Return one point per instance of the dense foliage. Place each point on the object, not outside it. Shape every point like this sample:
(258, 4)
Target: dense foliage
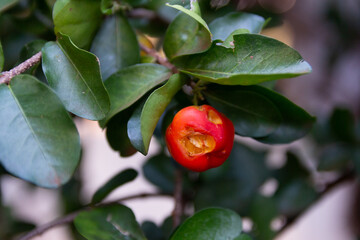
(97, 63)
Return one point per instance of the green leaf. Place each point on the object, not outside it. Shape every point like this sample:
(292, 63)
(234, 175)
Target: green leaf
(295, 197)
(222, 27)
(6, 4)
(115, 45)
(109, 223)
(152, 231)
(118, 180)
(74, 74)
(243, 237)
(254, 59)
(342, 125)
(252, 114)
(1, 58)
(38, 140)
(229, 41)
(159, 170)
(142, 123)
(296, 121)
(129, 84)
(211, 223)
(187, 34)
(335, 157)
(78, 19)
(116, 133)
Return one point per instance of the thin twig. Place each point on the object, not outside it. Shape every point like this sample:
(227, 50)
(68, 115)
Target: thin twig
(161, 60)
(178, 209)
(6, 77)
(344, 178)
(70, 217)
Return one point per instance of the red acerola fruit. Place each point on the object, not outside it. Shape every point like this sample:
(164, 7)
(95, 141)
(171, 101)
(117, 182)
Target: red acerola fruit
(200, 138)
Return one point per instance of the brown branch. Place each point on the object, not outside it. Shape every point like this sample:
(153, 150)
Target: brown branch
(344, 178)
(6, 77)
(178, 209)
(70, 217)
(161, 60)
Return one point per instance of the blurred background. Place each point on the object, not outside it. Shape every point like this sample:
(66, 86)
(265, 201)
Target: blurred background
(327, 35)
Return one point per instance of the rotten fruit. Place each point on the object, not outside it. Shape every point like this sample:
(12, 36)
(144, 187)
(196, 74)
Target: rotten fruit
(200, 138)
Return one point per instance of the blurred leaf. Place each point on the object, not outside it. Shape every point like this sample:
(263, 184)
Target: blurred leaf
(262, 211)
(342, 124)
(6, 4)
(116, 133)
(236, 182)
(293, 169)
(222, 27)
(118, 180)
(142, 123)
(296, 122)
(30, 50)
(152, 232)
(254, 59)
(159, 170)
(243, 237)
(252, 114)
(109, 223)
(211, 223)
(1, 58)
(296, 196)
(115, 45)
(334, 157)
(79, 19)
(38, 139)
(74, 74)
(129, 84)
(188, 33)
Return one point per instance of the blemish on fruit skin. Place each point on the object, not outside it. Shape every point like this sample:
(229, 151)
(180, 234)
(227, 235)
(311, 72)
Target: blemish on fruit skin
(214, 117)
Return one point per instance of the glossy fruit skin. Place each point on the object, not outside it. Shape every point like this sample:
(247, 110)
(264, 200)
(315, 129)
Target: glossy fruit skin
(200, 138)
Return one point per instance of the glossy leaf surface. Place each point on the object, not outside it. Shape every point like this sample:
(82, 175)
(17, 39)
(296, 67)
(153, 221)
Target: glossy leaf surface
(115, 45)
(74, 75)
(222, 27)
(142, 123)
(188, 33)
(118, 180)
(130, 84)
(254, 59)
(252, 114)
(38, 139)
(211, 223)
(109, 223)
(78, 19)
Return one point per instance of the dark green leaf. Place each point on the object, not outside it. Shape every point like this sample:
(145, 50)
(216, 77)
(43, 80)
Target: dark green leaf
(243, 237)
(78, 19)
(296, 122)
(342, 125)
(1, 58)
(187, 34)
(334, 157)
(115, 45)
(6, 4)
(159, 170)
(252, 114)
(74, 74)
(235, 183)
(118, 180)
(262, 211)
(109, 223)
(38, 140)
(152, 232)
(295, 197)
(211, 223)
(254, 59)
(222, 27)
(130, 84)
(116, 133)
(142, 123)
